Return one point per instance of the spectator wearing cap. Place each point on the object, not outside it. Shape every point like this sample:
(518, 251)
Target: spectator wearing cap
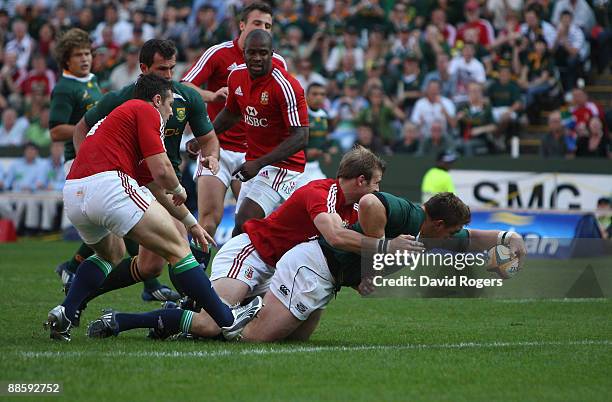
(557, 143)
(534, 27)
(580, 9)
(22, 43)
(349, 46)
(441, 74)
(122, 30)
(438, 179)
(570, 50)
(465, 70)
(126, 72)
(433, 107)
(486, 34)
(13, 128)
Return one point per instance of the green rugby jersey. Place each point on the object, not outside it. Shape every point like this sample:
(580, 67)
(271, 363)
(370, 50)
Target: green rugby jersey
(71, 97)
(403, 217)
(188, 107)
(318, 128)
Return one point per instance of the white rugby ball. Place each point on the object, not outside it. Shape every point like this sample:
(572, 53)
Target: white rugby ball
(503, 262)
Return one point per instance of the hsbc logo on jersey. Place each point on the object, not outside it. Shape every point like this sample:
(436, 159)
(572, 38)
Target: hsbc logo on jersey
(251, 119)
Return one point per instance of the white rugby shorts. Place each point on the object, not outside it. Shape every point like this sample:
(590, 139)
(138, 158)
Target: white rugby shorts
(229, 161)
(105, 202)
(270, 188)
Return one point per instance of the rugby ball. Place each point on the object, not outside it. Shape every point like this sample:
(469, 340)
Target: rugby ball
(503, 262)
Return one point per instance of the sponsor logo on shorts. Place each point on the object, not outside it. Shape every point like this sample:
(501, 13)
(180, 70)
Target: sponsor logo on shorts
(284, 290)
(264, 173)
(288, 188)
(301, 308)
(248, 273)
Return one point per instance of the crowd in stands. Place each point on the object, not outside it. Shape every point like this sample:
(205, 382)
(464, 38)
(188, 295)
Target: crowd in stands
(407, 77)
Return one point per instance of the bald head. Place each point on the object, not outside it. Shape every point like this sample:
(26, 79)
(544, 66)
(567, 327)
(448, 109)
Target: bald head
(258, 53)
(261, 37)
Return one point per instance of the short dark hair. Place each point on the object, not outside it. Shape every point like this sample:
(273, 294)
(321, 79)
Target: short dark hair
(448, 208)
(165, 48)
(360, 161)
(74, 38)
(313, 86)
(149, 85)
(260, 34)
(257, 5)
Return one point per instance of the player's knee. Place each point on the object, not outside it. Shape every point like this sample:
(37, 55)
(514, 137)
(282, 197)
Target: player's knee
(231, 291)
(151, 267)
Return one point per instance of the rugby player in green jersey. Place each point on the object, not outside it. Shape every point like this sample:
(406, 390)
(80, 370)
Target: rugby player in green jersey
(308, 275)
(156, 57)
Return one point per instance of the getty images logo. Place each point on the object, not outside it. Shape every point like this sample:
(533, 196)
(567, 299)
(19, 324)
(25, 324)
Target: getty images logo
(251, 118)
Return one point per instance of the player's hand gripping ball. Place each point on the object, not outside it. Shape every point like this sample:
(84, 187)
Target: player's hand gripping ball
(503, 262)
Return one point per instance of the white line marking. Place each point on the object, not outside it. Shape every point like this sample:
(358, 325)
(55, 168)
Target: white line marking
(566, 300)
(312, 349)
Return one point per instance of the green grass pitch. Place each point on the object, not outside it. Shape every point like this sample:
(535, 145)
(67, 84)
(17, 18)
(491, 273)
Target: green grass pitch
(365, 349)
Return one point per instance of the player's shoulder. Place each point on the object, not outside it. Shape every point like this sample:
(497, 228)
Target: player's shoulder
(282, 78)
(279, 61)
(238, 72)
(321, 186)
(184, 92)
(219, 50)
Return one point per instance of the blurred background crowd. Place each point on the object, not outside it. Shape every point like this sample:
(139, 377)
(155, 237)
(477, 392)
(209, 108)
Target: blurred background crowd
(412, 77)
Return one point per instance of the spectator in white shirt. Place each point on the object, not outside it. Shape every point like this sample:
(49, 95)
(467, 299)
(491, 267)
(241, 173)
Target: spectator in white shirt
(570, 50)
(433, 107)
(580, 9)
(126, 72)
(122, 30)
(22, 44)
(534, 27)
(466, 69)
(348, 45)
(13, 128)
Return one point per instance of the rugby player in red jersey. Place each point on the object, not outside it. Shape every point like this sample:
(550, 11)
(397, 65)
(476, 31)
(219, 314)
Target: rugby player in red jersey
(105, 203)
(271, 104)
(212, 69)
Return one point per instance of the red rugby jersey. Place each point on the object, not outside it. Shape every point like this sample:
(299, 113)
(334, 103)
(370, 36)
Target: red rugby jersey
(269, 105)
(293, 222)
(120, 141)
(212, 68)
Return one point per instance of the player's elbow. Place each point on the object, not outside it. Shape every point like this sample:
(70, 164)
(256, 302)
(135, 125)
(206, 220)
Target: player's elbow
(161, 170)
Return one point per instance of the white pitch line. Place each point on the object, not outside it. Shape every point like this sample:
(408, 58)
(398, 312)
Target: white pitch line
(566, 300)
(312, 349)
